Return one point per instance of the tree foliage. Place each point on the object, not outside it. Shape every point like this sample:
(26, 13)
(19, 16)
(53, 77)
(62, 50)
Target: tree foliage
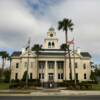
(36, 48)
(92, 76)
(24, 76)
(0, 73)
(64, 46)
(7, 72)
(97, 72)
(4, 55)
(65, 25)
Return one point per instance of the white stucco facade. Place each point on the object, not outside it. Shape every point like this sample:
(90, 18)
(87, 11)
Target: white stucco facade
(49, 66)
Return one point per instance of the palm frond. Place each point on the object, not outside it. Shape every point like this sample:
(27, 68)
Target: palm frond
(71, 29)
(60, 25)
(64, 47)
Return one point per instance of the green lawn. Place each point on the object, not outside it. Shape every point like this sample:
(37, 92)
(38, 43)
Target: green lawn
(4, 86)
(96, 86)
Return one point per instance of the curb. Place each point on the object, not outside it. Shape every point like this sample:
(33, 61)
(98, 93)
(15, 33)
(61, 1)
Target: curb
(51, 93)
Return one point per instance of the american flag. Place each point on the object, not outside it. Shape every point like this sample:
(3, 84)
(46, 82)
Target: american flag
(28, 44)
(71, 42)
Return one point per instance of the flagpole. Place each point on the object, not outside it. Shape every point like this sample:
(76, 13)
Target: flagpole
(28, 48)
(74, 61)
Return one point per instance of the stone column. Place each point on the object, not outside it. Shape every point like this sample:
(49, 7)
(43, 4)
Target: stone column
(55, 72)
(64, 69)
(46, 72)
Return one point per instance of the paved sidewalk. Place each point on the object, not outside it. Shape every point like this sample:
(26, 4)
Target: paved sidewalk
(47, 92)
(66, 93)
(79, 92)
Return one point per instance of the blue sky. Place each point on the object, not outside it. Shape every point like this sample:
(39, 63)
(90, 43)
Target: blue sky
(21, 19)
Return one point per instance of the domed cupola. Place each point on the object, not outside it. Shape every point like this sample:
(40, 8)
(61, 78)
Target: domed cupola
(51, 41)
(51, 29)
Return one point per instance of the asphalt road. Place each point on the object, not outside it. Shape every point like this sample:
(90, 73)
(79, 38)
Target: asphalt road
(51, 98)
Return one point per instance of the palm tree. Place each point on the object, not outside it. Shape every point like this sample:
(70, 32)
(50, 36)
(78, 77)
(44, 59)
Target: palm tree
(37, 48)
(65, 25)
(4, 55)
(64, 47)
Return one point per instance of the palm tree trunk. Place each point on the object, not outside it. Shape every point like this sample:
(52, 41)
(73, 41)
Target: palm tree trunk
(65, 64)
(66, 36)
(70, 63)
(66, 39)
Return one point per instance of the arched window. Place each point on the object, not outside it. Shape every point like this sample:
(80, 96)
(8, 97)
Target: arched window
(49, 44)
(53, 45)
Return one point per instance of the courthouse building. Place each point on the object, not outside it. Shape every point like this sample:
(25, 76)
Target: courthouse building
(49, 66)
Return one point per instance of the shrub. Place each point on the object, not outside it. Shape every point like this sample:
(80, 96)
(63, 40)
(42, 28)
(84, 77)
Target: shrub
(88, 82)
(24, 76)
(35, 82)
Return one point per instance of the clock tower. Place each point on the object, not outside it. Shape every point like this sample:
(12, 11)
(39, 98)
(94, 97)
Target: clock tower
(51, 41)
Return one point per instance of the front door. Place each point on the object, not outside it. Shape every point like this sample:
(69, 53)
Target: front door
(51, 80)
(50, 76)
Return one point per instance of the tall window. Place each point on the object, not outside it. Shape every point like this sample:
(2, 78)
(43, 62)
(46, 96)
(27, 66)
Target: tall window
(60, 75)
(49, 44)
(25, 64)
(84, 66)
(76, 65)
(60, 64)
(32, 64)
(41, 75)
(53, 45)
(30, 75)
(50, 76)
(41, 64)
(50, 64)
(16, 76)
(84, 75)
(17, 65)
(76, 76)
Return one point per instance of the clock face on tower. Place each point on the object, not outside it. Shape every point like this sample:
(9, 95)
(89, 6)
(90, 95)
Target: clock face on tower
(51, 35)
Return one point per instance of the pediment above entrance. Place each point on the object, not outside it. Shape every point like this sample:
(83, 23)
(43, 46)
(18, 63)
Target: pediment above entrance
(28, 54)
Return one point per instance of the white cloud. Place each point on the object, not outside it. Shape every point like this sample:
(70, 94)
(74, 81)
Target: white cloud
(85, 14)
(18, 21)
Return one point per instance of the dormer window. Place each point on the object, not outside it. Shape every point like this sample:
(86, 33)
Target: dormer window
(51, 35)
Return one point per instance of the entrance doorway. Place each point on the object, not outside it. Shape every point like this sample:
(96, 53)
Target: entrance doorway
(51, 80)
(51, 76)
